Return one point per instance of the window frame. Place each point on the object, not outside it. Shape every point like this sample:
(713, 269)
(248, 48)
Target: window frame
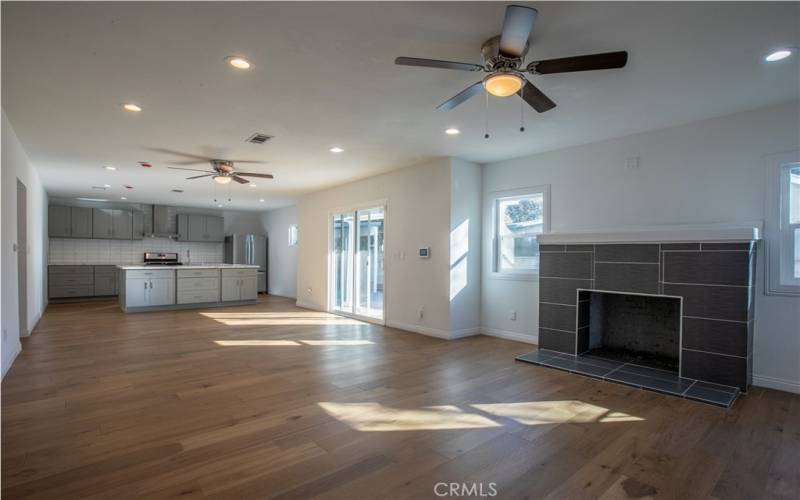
(495, 198)
(778, 232)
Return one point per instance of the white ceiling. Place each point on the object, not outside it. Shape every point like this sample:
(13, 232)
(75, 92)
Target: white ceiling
(324, 76)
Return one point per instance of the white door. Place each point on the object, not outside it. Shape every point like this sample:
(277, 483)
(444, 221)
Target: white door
(161, 292)
(231, 290)
(136, 292)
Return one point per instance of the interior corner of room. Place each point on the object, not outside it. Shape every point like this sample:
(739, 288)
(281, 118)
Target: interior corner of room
(586, 242)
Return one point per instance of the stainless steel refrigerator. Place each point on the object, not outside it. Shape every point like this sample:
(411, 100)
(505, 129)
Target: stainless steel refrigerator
(248, 249)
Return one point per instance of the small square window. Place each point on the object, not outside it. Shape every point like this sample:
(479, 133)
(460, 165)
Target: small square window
(293, 235)
(519, 218)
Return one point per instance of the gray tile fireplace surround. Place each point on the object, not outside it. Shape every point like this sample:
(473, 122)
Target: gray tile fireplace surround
(713, 280)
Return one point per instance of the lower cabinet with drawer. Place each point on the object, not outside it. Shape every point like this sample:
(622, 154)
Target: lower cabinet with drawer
(239, 284)
(198, 286)
(70, 281)
(105, 281)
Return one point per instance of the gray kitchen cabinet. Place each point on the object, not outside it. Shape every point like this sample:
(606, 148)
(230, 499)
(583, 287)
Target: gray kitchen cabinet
(105, 281)
(162, 292)
(231, 289)
(80, 222)
(199, 227)
(70, 281)
(215, 228)
(58, 221)
(122, 225)
(243, 286)
(136, 292)
(102, 223)
(249, 288)
(144, 291)
(137, 219)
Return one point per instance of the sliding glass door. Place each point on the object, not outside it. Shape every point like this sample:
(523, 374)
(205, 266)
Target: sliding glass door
(357, 262)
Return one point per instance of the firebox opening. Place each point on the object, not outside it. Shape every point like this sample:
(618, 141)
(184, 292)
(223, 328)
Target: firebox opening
(640, 329)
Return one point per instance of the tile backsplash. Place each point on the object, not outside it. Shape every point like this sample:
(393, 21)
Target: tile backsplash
(91, 251)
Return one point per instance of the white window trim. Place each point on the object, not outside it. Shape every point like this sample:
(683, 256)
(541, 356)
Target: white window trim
(496, 196)
(296, 235)
(779, 266)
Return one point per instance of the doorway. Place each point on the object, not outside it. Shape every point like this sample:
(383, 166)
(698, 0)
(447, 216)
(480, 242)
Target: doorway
(357, 262)
(22, 257)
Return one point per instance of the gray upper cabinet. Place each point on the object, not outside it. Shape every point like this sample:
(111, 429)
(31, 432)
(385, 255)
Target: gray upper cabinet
(215, 228)
(102, 222)
(198, 227)
(122, 225)
(138, 225)
(81, 222)
(58, 221)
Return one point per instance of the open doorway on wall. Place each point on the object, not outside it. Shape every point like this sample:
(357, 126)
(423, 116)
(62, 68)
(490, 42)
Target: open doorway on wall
(22, 257)
(357, 257)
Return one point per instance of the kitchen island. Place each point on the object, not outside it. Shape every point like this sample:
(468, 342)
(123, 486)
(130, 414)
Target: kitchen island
(158, 288)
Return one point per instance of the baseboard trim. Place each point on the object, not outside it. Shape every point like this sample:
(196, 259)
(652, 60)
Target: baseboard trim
(424, 330)
(509, 335)
(465, 332)
(307, 305)
(13, 358)
(779, 384)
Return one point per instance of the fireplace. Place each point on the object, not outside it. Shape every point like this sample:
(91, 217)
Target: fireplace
(632, 328)
(677, 301)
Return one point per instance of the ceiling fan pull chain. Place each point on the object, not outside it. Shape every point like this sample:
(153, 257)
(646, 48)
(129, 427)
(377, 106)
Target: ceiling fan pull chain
(486, 123)
(522, 109)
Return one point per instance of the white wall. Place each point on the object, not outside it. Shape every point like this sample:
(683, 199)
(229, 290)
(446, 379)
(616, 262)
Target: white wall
(704, 172)
(16, 165)
(418, 215)
(465, 248)
(282, 258)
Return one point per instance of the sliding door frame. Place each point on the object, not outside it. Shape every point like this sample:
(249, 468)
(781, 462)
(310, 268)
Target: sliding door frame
(381, 203)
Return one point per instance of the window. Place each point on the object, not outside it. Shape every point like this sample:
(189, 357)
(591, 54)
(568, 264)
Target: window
(293, 235)
(782, 230)
(519, 216)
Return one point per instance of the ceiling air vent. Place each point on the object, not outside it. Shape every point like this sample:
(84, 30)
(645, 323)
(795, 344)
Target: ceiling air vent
(177, 190)
(259, 138)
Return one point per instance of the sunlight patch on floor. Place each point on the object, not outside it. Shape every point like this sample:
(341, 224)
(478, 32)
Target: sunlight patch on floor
(377, 417)
(268, 343)
(554, 412)
(279, 318)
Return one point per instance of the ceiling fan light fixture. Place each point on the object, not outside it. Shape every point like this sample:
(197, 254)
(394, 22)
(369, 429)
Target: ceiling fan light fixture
(222, 179)
(502, 84)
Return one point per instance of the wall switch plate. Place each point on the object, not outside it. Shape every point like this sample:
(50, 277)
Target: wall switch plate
(308, 290)
(421, 312)
(513, 316)
(632, 162)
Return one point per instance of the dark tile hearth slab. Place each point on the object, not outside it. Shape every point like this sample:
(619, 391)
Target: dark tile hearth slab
(651, 379)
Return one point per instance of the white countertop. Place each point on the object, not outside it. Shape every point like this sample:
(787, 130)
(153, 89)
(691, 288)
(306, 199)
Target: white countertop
(188, 266)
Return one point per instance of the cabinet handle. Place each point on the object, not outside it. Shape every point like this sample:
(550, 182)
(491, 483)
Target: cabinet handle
(145, 285)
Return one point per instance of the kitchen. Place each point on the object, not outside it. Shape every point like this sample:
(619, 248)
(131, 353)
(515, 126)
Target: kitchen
(154, 257)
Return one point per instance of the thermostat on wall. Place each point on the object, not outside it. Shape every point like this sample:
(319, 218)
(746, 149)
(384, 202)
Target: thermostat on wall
(424, 252)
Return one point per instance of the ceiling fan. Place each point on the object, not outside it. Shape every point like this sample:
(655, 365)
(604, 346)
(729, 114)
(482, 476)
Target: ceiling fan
(503, 59)
(222, 171)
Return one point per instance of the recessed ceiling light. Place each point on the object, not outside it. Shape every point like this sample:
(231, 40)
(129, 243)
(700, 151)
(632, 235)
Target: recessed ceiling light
(132, 107)
(261, 200)
(452, 131)
(109, 167)
(336, 149)
(778, 55)
(239, 62)
(252, 185)
(106, 186)
(123, 198)
(91, 199)
(220, 205)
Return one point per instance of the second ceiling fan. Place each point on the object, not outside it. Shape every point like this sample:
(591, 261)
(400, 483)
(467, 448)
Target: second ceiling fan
(222, 171)
(503, 59)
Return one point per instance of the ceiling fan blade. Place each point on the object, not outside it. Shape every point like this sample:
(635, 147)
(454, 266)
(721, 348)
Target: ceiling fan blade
(256, 162)
(536, 98)
(435, 63)
(198, 176)
(462, 96)
(179, 153)
(517, 27)
(192, 170)
(590, 62)
(250, 174)
(240, 180)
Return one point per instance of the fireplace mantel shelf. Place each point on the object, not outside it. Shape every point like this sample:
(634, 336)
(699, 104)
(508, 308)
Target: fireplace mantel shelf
(656, 234)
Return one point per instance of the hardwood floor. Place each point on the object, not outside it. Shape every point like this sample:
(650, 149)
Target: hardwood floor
(272, 401)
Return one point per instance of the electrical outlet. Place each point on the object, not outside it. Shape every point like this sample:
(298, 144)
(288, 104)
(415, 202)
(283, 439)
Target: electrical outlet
(308, 290)
(421, 312)
(513, 316)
